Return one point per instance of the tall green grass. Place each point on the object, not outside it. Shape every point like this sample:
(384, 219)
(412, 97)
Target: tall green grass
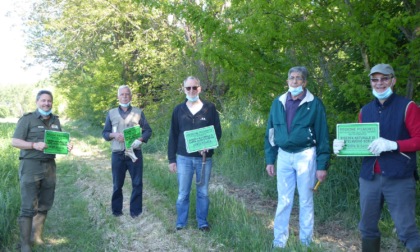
(9, 186)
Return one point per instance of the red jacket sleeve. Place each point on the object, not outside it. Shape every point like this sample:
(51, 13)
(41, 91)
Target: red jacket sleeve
(412, 122)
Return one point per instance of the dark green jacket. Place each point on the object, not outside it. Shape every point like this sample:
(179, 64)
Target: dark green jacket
(309, 128)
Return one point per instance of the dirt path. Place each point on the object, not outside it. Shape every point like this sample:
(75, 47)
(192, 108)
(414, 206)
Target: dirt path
(145, 233)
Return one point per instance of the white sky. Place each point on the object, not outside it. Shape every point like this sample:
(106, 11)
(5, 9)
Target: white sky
(12, 49)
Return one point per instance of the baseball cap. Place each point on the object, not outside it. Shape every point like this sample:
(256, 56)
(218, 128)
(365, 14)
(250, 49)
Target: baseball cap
(383, 69)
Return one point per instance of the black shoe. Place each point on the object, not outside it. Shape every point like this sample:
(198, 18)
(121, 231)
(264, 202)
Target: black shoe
(117, 214)
(179, 228)
(204, 229)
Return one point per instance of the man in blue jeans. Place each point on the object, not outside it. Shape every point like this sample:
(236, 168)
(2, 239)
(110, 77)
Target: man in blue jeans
(192, 114)
(123, 159)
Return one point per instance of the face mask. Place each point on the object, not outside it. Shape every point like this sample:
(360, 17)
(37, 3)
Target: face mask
(296, 91)
(124, 105)
(44, 113)
(384, 95)
(192, 99)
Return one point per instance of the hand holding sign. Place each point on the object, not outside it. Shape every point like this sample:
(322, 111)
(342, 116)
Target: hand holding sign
(131, 134)
(357, 137)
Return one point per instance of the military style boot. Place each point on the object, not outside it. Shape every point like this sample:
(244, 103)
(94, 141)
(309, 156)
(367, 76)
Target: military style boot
(371, 244)
(37, 227)
(25, 225)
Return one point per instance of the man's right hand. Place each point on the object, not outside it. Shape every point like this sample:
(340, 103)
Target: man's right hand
(117, 136)
(270, 170)
(172, 167)
(338, 145)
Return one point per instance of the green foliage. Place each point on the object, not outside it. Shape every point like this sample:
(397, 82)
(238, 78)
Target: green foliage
(9, 186)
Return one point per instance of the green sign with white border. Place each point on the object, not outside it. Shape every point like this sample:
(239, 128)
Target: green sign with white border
(357, 137)
(201, 139)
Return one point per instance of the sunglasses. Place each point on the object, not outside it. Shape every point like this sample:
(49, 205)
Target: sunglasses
(193, 88)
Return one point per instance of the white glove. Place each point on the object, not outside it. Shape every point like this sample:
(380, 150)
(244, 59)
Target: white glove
(130, 153)
(136, 144)
(380, 145)
(338, 145)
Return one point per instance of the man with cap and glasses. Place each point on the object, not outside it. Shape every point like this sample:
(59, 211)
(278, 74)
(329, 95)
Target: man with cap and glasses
(389, 176)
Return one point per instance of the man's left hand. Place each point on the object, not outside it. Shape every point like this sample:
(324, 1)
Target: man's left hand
(381, 145)
(136, 144)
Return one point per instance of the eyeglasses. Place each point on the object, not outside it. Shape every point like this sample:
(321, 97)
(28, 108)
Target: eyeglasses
(193, 88)
(295, 78)
(383, 79)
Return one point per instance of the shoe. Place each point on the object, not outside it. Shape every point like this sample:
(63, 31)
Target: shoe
(117, 214)
(134, 215)
(179, 228)
(204, 229)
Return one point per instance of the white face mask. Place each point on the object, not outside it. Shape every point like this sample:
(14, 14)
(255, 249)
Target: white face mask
(192, 99)
(384, 95)
(44, 113)
(124, 105)
(295, 91)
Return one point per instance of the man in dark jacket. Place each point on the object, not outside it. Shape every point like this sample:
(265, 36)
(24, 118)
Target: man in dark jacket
(192, 114)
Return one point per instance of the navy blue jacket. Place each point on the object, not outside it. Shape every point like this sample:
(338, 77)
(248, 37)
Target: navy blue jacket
(391, 118)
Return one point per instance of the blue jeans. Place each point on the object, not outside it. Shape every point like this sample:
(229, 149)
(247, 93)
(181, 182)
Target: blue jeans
(295, 169)
(120, 164)
(400, 196)
(186, 167)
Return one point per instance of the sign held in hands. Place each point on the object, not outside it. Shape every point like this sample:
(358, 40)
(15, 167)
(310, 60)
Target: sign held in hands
(201, 139)
(131, 134)
(56, 142)
(357, 137)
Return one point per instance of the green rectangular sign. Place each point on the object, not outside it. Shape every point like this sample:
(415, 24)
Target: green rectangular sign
(357, 137)
(131, 134)
(201, 139)
(56, 142)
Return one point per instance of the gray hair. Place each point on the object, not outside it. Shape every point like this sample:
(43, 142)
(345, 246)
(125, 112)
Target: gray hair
(192, 78)
(41, 92)
(123, 86)
(299, 69)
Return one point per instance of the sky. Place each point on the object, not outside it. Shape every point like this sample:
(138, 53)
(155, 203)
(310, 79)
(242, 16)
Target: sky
(12, 47)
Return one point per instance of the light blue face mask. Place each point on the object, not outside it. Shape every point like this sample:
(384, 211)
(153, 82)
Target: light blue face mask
(124, 105)
(384, 95)
(44, 113)
(296, 91)
(192, 99)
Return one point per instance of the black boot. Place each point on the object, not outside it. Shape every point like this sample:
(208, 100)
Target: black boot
(37, 227)
(371, 244)
(25, 225)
